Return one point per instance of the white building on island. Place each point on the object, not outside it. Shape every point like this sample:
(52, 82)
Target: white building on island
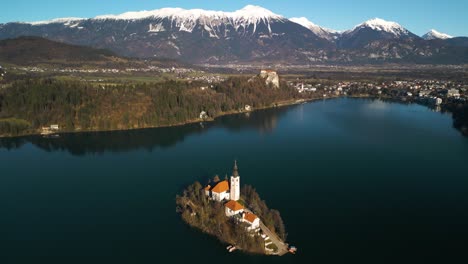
(233, 208)
(235, 183)
(230, 191)
(252, 220)
(225, 190)
(220, 192)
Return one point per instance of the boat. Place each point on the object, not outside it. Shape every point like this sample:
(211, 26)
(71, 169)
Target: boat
(232, 249)
(292, 249)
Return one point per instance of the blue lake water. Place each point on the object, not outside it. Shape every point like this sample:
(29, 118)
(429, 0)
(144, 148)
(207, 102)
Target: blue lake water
(356, 181)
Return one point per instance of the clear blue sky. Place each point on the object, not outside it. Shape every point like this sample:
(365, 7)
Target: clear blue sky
(419, 16)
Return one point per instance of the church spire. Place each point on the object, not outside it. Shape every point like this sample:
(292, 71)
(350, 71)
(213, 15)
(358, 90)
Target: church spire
(235, 172)
(234, 191)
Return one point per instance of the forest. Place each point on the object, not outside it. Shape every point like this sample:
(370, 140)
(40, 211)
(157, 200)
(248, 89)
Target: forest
(27, 105)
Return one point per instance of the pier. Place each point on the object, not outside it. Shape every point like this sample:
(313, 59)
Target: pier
(282, 247)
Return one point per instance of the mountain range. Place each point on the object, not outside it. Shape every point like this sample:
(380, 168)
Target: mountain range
(250, 35)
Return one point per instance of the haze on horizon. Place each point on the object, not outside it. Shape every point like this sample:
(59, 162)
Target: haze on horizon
(418, 16)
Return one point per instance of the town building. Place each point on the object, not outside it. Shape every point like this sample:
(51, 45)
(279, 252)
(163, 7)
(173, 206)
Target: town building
(252, 220)
(233, 208)
(50, 130)
(453, 93)
(203, 115)
(220, 192)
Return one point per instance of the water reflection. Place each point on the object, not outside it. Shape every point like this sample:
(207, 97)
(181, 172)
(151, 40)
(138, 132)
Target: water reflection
(264, 121)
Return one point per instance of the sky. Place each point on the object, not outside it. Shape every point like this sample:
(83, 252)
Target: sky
(418, 16)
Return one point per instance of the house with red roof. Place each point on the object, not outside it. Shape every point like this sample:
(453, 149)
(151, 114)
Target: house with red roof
(233, 208)
(219, 192)
(252, 220)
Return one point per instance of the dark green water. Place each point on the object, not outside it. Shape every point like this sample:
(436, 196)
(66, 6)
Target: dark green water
(356, 181)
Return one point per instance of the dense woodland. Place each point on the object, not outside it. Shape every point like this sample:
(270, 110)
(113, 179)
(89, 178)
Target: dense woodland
(209, 217)
(85, 106)
(29, 102)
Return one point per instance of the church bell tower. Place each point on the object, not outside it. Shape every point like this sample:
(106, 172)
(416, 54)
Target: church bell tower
(235, 183)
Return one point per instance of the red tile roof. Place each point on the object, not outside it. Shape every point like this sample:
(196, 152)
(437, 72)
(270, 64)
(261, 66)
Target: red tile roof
(250, 217)
(234, 206)
(221, 187)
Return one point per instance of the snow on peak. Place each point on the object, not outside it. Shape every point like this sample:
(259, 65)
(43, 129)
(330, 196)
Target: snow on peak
(188, 19)
(163, 12)
(383, 25)
(65, 20)
(310, 25)
(434, 34)
(303, 22)
(316, 29)
(252, 11)
(249, 12)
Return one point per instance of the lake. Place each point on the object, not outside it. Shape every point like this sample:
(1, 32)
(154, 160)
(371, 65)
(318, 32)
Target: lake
(355, 180)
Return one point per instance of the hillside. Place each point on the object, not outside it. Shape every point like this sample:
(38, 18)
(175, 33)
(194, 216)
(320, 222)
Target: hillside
(27, 105)
(37, 51)
(34, 50)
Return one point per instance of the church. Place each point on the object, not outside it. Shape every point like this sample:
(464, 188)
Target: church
(225, 190)
(229, 192)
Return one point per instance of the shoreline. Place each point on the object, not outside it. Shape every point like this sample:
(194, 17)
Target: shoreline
(188, 122)
(224, 218)
(233, 112)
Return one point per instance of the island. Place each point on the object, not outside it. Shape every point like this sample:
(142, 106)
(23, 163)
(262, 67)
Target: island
(235, 216)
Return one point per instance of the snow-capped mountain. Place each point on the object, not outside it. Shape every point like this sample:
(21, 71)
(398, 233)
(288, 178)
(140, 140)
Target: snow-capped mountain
(188, 20)
(196, 35)
(251, 34)
(434, 34)
(381, 25)
(185, 20)
(65, 20)
(374, 30)
(322, 32)
(248, 14)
